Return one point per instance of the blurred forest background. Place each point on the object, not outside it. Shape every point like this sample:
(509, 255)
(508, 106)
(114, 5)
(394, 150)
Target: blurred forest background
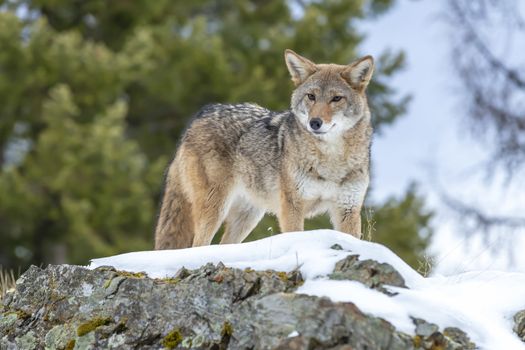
(94, 95)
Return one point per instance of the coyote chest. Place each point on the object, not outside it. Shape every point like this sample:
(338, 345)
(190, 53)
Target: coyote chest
(330, 182)
(318, 189)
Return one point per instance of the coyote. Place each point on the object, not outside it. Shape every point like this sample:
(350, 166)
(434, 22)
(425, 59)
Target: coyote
(237, 162)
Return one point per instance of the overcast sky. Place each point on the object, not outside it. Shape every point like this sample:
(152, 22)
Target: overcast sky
(432, 145)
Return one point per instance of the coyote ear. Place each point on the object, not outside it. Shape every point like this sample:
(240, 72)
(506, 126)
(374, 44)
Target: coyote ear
(358, 74)
(299, 67)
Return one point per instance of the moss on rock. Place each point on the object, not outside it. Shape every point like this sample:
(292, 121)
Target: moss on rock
(172, 339)
(131, 274)
(91, 325)
(227, 329)
(70, 345)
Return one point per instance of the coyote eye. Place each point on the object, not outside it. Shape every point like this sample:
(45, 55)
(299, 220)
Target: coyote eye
(336, 98)
(311, 97)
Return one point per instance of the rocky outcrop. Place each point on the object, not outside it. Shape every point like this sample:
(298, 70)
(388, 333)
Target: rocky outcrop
(213, 307)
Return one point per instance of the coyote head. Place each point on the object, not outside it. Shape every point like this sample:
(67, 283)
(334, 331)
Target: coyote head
(329, 98)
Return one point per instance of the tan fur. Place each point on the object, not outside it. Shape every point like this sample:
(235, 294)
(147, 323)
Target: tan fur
(236, 162)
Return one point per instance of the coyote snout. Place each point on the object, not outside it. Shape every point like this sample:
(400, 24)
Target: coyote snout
(315, 124)
(237, 162)
(320, 121)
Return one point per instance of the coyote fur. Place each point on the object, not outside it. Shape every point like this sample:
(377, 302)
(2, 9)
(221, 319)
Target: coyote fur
(237, 162)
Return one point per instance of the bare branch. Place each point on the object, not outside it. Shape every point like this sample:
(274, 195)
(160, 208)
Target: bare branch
(494, 89)
(482, 221)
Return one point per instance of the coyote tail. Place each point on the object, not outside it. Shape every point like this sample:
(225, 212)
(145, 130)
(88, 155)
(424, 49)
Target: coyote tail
(175, 224)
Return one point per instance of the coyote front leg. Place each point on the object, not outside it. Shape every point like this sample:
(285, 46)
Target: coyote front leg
(346, 211)
(347, 220)
(291, 214)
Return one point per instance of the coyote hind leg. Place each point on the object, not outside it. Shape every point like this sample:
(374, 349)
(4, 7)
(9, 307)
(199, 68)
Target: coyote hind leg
(209, 213)
(209, 184)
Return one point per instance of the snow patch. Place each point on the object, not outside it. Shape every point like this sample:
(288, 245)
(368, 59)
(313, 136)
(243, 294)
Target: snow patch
(293, 334)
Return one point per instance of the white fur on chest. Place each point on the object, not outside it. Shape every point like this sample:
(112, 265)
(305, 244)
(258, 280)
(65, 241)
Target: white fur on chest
(312, 189)
(347, 194)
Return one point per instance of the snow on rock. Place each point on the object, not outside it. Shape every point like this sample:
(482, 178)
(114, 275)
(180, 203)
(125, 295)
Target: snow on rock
(481, 303)
(311, 251)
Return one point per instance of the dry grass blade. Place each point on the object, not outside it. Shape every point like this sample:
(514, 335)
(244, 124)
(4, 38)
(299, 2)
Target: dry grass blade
(426, 265)
(370, 224)
(7, 281)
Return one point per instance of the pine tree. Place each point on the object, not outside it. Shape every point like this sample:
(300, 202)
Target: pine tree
(85, 188)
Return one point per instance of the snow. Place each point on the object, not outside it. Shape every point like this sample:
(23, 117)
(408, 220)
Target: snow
(293, 334)
(482, 303)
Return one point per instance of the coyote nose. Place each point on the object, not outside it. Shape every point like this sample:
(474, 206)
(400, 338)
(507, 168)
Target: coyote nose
(315, 123)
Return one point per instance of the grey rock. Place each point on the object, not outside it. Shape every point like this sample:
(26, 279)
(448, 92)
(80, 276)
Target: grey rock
(369, 272)
(429, 337)
(519, 324)
(458, 339)
(59, 336)
(424, 328)
(320, 323)
(213, 307)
